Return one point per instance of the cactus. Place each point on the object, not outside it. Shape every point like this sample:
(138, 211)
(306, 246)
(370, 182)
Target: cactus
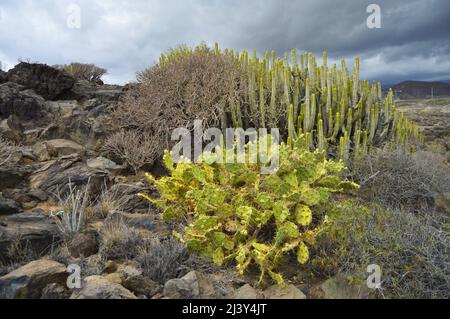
(330, 106)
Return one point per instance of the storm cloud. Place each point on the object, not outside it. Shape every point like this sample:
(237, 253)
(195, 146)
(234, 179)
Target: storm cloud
(128, 36)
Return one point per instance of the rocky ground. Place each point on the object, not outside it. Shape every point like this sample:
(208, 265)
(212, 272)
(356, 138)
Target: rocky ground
(60, 124)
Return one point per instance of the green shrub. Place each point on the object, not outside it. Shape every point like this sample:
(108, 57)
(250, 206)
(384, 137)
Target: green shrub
(237, 214)
(411, 249)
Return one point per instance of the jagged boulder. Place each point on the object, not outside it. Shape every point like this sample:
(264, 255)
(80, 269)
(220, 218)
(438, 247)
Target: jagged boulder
(86, 90)
(193, 285)
(283, 292)
(46, 81)
(28, 281)
(16, 100)
(9, 206)
(3, 75)
(54, 176)
(247, 292)
(98, 287)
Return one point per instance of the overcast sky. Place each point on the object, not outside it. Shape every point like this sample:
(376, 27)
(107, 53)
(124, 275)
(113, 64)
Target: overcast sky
(126, 36)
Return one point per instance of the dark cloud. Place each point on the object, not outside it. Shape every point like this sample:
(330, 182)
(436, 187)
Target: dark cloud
(127, 36)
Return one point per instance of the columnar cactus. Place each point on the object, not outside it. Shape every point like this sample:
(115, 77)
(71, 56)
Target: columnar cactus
(331, 108)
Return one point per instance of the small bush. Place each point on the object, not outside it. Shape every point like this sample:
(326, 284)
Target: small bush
(234, 213)
(166, 259)
(411, 249)
(398, 179)
(118, 241)
(82, 71)
(187, 84)
(297, 94)
(131, 147)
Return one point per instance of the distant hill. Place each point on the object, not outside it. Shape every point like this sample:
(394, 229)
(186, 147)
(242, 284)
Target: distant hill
(420, 89)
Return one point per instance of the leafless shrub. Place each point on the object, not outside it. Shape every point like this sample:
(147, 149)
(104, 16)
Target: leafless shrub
(118, 241)
(396, 178)
(82, 71)
(188, 85)
(7, 151)
(133, 148)
(167, 259)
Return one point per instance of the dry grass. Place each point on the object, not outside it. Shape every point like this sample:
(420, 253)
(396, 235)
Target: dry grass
(119, 241)
(397, 179)
(167, 259)
(411, 249)
(110, 201)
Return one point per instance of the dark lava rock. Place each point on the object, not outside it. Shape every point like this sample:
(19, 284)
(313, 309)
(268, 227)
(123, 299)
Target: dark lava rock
(9, 206)
(15, 100)
(33, 230)
(46, 81)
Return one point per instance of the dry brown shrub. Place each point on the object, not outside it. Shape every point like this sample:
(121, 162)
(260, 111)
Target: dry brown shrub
(399, 179)
(131, 147)
(8, 150)
(118, 240)
(83, 71)
(190, 84)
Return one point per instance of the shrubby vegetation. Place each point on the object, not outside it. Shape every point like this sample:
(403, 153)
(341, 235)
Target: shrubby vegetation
(399, 179)
(411, 249)
(328, 118)
(119, 241)
(83, 71)
(337, 112)
(165, 259)
(134, 148)
(185, 85)
(236, 214)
